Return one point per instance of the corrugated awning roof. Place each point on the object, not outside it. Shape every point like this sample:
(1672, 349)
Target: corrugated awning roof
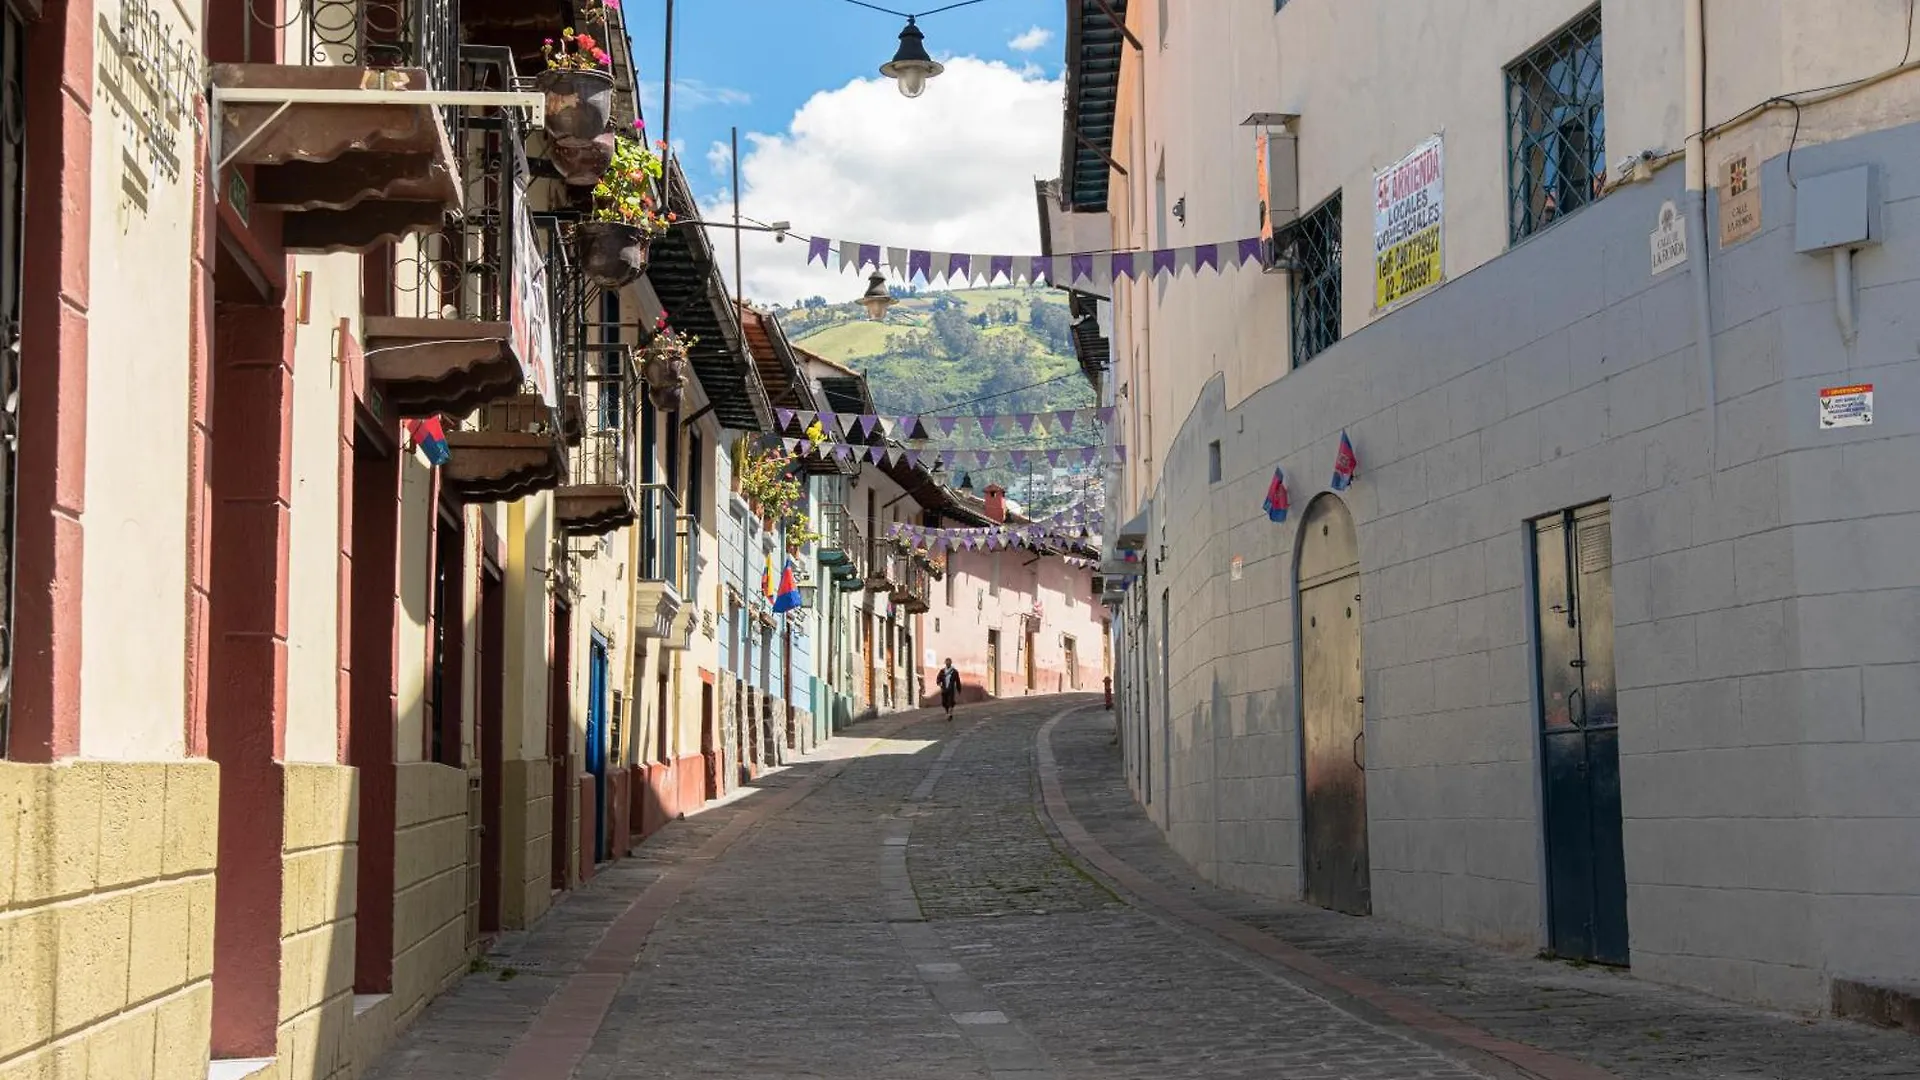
(686, 277)
(1094, 49)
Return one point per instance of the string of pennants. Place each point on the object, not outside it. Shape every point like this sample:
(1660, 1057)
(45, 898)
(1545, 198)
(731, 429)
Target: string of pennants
(977, 459)
(999, 538)
(866, 424)
(909, 263)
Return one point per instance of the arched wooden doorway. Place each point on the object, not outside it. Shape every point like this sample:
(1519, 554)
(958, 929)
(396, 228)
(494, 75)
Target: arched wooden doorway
(1332, 728)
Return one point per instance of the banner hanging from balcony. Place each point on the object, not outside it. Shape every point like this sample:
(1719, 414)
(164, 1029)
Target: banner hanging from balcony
(1074, 268)
(908, 426)
(1052, 457)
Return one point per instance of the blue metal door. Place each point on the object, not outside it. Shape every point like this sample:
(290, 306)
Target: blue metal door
(1579, 737)
(597, 741)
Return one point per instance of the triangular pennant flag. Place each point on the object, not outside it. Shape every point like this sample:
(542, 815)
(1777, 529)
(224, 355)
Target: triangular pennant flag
(960, 264)
(919, 265)
(1250, 250)
(869, 256)
(1058, 272)
(871, 422)
(893, 456)
(1039, 267)
(1053, 458)
(1163, 262)
(1104, 414)
(982, 458)
(874, 454)
(999, 266)
(1065, 418)
(910, 427)
(819, 248)
(849, 254)
(897, 262)
(804, 446)
(937, 266)
(913, 459)
(1120, 453)
(785, 416)
(1122, 265)
(1207, 256)
(829, 421)
(1082, 267)
(1024, 421)
(946, 424)
(806, 417)
(1182, 260)
(1086, 455)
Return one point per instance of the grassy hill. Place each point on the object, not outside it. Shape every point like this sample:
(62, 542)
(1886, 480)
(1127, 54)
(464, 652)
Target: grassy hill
(994, 350)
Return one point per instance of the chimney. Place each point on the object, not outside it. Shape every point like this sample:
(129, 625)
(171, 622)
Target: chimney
(997, 503)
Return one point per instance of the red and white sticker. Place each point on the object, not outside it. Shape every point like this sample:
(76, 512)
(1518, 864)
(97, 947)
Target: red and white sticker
(1846, 406)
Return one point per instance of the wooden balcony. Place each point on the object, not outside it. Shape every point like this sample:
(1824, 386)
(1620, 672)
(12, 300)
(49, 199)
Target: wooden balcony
(513, 451)
(348, 174)
(914, 588)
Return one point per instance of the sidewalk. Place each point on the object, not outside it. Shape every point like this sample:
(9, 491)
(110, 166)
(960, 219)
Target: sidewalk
(1589, 1018)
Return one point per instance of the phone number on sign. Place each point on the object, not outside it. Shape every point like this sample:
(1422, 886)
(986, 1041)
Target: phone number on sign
(1408, 268)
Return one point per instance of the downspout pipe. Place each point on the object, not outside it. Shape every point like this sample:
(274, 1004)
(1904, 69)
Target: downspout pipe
(1696, 212)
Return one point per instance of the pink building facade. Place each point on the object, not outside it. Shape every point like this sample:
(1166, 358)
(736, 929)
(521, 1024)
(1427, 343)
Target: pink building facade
(1015, 622)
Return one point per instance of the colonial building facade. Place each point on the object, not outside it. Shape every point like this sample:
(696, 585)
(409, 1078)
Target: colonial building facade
(1609, 649)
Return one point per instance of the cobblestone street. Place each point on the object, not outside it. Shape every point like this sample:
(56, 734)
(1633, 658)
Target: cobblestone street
(981, 899)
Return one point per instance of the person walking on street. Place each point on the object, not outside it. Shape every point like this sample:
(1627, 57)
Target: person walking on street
(949, 680)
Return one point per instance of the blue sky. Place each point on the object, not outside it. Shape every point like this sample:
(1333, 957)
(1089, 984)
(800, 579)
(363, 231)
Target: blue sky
(828, 144)
(755, 62)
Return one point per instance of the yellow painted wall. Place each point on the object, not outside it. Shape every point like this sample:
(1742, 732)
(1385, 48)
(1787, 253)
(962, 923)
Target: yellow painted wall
(106, 919)
(316, 923)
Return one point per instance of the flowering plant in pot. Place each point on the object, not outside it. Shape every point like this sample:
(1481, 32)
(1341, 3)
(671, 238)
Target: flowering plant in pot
(578, 84)
(611, 246)
(663, 364)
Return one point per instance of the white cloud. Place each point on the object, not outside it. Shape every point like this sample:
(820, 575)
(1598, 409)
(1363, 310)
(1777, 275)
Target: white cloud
(1031, 40)
(950, 170)
(692, 94)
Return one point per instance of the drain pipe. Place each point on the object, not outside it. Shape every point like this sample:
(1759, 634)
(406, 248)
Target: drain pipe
(1696, 210)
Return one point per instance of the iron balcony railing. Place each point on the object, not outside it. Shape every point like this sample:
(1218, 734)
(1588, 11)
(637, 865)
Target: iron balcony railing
(840, 540)
(914, 582)
(465, 270)
(689, 556)
(370, 34)
(661, 543)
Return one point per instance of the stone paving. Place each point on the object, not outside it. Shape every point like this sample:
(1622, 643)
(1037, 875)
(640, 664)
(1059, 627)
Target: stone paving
(913, 901)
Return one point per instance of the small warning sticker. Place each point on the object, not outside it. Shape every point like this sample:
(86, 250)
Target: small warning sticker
(1236, 568)
(1846, 406)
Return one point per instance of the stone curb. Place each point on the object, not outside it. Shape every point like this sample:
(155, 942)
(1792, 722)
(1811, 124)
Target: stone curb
(1143, 892)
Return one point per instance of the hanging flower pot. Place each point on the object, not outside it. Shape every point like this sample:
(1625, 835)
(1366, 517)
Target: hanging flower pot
(581, 162)
(579, 102)
(612, 253)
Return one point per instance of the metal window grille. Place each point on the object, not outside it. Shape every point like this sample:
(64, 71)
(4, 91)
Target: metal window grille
(1556, 128)
(1311, 250)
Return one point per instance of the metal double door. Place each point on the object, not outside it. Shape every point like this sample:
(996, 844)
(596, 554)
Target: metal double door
(1580, 736)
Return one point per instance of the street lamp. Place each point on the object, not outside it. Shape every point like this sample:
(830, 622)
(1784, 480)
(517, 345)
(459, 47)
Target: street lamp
(911, 66)
(877, 299)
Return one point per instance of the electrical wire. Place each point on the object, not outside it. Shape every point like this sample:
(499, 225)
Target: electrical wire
(1798, 99)
(1009, 393)
(912, 16)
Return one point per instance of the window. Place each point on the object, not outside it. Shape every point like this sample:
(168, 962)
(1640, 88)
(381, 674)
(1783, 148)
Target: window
(993, 583)
(1213, 462)
(1311, 251)
(1556, 128)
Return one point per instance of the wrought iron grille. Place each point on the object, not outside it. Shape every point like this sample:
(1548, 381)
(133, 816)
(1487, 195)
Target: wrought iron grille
(465, 270)
(660, 534)
(1556, 128)
(603, 455)
(1311, 249)
(13, 160)
(379, 34)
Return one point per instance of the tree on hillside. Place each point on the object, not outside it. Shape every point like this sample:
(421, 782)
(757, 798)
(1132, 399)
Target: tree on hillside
(1053, 325)
(955, 332)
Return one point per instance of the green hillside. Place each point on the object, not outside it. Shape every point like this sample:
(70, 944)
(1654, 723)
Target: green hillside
(997, 350)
